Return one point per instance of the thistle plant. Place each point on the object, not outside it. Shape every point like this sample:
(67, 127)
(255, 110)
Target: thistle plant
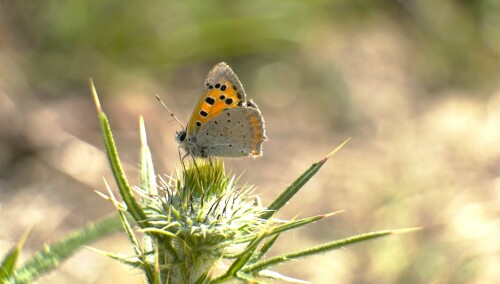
(199, 219)
(201, 227)
(196, 226)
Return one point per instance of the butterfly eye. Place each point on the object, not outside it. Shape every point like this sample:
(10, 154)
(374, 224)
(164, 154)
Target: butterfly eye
(181, 136)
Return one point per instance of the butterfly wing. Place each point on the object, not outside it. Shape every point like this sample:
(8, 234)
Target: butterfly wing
(236, 132)
(222, 90)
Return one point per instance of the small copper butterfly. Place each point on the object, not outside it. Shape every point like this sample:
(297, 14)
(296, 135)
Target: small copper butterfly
(223, 123)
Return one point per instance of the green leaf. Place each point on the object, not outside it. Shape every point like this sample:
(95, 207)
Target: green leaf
(276, 276)
(299, 223)
(147, 171)
(248, 278)
(264, 249)
(133, 262)
(138, 250)
(241, 260)
(291, 190)
(121, 180)
(264, 264)
(147, 177)
(291, 225)
(50, 257)
(10, 260)
(280, 229)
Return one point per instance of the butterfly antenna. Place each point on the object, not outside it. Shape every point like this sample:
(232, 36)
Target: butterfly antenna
(169, 111)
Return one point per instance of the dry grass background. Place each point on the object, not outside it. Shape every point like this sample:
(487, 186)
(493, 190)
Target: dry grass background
(414, 86)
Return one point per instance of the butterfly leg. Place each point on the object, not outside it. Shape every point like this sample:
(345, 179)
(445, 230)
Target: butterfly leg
(196, 165)
(182, 158)
(210, 161)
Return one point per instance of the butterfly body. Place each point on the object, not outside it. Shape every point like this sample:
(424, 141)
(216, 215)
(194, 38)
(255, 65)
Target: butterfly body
(223, 123)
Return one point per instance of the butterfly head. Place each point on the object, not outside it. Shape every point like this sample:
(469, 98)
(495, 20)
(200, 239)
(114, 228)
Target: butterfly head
(180, 136)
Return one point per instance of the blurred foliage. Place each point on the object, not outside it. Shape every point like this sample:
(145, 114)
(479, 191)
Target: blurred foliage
(69, 40)
(455, 42)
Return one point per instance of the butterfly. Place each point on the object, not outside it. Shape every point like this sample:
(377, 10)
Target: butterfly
(223, 123)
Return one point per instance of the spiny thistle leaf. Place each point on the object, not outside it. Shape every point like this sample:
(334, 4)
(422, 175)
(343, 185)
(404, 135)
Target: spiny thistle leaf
(264, 264)
(147, 171)
(133, 262)
(10, 261)
(50, 257)
(121, 180)
(264, 248)
(147, 177)
(290, 225)
(248, 278)
(139, 251)
(291, 190)
(240, 262)
(276, 276)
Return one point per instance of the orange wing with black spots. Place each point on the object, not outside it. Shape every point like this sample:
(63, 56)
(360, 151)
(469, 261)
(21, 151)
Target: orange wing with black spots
(222, 90)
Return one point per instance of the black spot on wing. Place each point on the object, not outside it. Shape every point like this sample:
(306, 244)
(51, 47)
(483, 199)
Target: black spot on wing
(210, 100)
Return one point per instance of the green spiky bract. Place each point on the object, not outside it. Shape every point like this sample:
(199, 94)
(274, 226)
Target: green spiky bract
(198, 219)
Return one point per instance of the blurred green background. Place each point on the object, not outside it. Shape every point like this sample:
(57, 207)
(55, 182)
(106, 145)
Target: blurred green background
(415, 84)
